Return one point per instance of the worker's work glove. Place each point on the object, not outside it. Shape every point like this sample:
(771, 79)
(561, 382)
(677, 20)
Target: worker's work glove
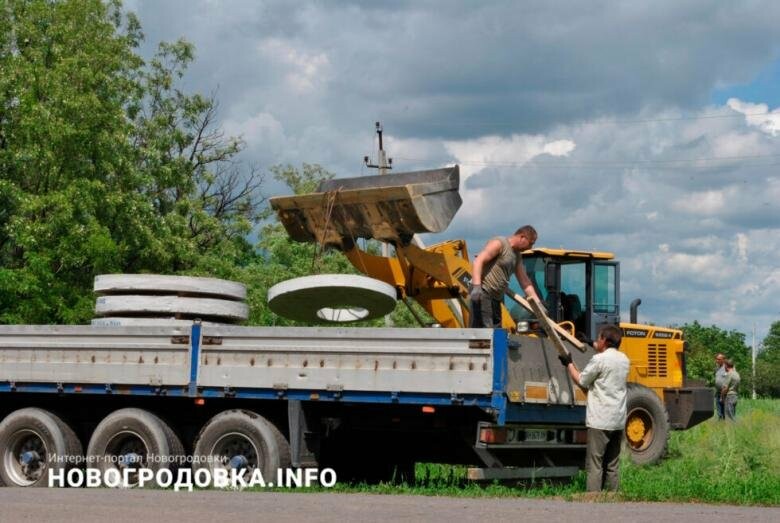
(565, 359)
(476, 292)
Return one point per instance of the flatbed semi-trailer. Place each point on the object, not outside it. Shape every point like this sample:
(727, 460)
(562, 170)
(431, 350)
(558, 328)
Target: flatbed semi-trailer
(367, 402)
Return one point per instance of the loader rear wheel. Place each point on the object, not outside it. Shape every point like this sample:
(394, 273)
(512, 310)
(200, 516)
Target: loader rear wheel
(647, 425)
(34, 442)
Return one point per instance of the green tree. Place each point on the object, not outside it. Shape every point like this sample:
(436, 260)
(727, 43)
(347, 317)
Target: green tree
(105, 164)
(207, 200)
(66, 73)
(768, 364)
(705, 342)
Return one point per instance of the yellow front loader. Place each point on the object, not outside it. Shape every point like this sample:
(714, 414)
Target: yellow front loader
(580, 289)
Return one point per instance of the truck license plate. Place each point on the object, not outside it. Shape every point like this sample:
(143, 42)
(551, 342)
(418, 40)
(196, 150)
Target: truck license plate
(536, 435)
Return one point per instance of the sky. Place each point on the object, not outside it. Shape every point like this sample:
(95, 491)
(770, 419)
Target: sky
(647, 129)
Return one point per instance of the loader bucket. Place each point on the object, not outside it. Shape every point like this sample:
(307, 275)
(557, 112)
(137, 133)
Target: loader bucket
(391, 207)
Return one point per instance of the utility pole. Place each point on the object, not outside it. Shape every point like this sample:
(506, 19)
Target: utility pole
(753, 381)
(384, 164)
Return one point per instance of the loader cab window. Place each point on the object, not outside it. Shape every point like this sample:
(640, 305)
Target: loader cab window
(604, 289)
(534, 267)
(574, 294)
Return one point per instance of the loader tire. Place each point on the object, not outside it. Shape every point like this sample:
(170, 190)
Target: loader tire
(647, 425)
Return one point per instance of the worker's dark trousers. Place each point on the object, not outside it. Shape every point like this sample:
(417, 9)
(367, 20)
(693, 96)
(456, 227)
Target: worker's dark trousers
(485, 313)
(602, 460)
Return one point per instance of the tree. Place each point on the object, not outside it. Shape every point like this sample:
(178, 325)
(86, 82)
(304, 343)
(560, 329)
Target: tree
(66, 75)
(191, 175)
(768, 364)
(105, 165)
(705, 342)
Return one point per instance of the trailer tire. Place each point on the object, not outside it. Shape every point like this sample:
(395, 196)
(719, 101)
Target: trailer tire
(27, 433)
(647, 425)
(126, 438)
(242, 439)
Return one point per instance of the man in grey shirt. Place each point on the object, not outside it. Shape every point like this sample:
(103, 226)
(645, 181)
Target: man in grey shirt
(720, 380)
(730, 391)
(604, 377)
(493, 267)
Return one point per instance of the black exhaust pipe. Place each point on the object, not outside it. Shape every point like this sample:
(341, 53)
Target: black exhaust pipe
(634, 306)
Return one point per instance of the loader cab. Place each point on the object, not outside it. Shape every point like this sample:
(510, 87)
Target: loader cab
(577, 286)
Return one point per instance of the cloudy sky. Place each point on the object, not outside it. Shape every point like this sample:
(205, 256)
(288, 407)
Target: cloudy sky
(649, 129)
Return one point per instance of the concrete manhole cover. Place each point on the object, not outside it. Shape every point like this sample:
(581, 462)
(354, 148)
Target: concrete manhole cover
(332, 298)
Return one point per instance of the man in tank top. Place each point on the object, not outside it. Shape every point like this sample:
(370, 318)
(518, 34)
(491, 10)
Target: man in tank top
(491, 272)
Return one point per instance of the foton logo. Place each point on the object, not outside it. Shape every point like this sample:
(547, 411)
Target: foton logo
(634, 333)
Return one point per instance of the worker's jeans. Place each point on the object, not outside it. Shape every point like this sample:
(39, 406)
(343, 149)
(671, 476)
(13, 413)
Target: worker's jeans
(485, 313)
(719, 404)
(602, 460)
(731, 407)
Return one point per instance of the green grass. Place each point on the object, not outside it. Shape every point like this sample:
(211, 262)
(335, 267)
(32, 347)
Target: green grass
(714, 462)
(717, 462)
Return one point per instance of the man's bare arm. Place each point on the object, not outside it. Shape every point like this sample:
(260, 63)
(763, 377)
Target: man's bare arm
(491, 250)
(525, 282)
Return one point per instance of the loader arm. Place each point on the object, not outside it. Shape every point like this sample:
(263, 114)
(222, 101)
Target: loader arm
(436, 277)
(392, 209)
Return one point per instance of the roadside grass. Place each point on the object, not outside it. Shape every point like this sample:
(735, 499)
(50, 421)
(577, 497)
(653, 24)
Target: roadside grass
(714, 462)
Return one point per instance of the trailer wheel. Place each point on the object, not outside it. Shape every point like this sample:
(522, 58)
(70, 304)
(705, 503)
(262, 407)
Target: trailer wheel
(134, 439)
(33, 442)
(241, 439)
(647, 425)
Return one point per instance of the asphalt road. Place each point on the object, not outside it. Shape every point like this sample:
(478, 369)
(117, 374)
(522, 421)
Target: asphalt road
(133, 506)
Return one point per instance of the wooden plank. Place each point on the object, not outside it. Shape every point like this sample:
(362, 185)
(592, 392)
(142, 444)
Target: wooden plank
(547, 325)
(560, 330)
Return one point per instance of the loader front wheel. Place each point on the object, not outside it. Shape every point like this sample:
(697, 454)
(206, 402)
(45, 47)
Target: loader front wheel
(647, 425)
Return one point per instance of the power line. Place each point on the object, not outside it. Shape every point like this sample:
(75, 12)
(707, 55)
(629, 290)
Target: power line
(597, 163)
(476, 123)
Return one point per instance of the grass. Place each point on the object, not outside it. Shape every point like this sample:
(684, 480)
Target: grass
(714, 462)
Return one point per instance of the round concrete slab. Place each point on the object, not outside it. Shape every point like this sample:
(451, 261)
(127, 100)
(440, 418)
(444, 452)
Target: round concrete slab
(332, 298)
(170, 305)
(107, 284)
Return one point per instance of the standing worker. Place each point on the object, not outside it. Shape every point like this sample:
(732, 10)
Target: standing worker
(604, 377)
(720, 380)
(491, 272)
(730, 391)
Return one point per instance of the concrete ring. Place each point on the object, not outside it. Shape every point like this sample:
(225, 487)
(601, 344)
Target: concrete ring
(332, 298)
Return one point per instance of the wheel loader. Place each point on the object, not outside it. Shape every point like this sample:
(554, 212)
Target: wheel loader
(581, 289)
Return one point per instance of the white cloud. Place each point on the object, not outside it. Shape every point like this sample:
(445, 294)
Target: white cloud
(552, 120)
(261, 128)
(476, 155)
(742, 247)
(305, 70)
(758, 115)
(701, 202)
